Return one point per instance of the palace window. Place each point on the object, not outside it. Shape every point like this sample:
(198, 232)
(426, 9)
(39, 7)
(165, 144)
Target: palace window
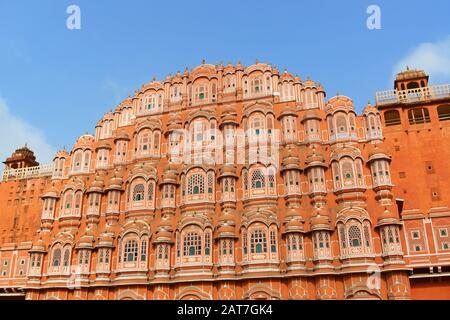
(258, 180)
(321, 244)
(444, 113)
(373, 126)
(226, 251)
(192, 244)
(131, 251)
(144, 250)
(355, 238)
(418, 115)
(294, 243)
(138, 193)
(151, 103)
(94, 203)
(196, 184)
(354, 235)
(392, 118)
(201, 94)
(273, 241)
(56, 262)
(258, 242)
(390, 239)
(48, 208)
(207, 243)
(162, 256)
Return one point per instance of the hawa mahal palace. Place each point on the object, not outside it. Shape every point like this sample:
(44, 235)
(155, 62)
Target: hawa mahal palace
(234, 182)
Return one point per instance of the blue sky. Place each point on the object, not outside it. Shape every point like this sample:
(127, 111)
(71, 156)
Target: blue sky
(55, 83)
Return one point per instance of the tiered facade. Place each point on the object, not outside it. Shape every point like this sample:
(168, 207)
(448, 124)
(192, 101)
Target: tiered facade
(223, 182)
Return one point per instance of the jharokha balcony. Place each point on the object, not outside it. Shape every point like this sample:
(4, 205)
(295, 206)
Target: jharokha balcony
(413, 95)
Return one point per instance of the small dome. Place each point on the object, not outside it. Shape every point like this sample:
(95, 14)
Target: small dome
(177, 78)
(320, 221)
(377, 151)
(315, 158)
(163, 234)
(311, 114)
(122, 136)
(51, 192)
(85, 141)
(290, 161)
(386, 218)
(286, 76)
(288, 111)
(170, 175)
(106, 238)
(410, 74)
(228, 216)
(61, 154)
(229, 68)
(228, 170)
(309, 83)
(38, 246)
(370, 109)
(103, 145)
(173, 124)
(97, 185)
(339, 103)
(115, 183)
(87, 240)
(228, 116)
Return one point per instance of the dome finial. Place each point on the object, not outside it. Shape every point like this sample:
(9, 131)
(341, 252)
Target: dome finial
(203, 61)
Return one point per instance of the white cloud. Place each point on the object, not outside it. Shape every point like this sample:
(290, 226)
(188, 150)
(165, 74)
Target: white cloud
(433, 57)
(15, 132)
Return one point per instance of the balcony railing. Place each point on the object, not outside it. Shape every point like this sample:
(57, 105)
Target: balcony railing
(413, 95)
(26, 173)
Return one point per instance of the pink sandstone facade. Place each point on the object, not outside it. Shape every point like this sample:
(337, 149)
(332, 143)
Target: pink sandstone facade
(233, 182)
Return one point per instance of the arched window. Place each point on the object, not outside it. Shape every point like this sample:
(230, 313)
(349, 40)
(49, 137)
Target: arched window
(77, 161)
(66, 260)
(144, 250)
(245, 179)
(210, 182)
(131, 251)
(258, 241)
(258, 179)
(68, 198)
(192, 244)
(138, 193)
(412, 85)
(392, 118)
(273, 241)
(418, 115)
(151, 191)
(144, 142)
(207, 243)
(56, 261)
(78, 200)
(86, 160)
(156, 143)
(347, 169)
(354, 236)
(444, 113)
(341, 123)
(196, 184)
